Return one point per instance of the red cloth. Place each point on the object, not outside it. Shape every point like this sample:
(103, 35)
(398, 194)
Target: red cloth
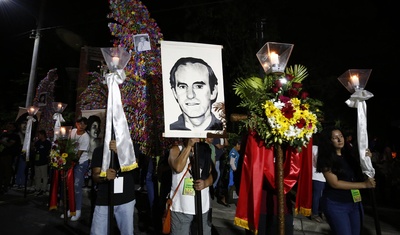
(250, 191)
(304, 187)
(258, 162)
(57, 174)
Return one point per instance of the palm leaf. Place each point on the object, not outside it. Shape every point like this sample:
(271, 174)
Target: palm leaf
(245, 88)
(299, 72)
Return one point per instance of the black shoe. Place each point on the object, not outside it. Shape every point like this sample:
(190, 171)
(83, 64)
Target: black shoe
(223, 203)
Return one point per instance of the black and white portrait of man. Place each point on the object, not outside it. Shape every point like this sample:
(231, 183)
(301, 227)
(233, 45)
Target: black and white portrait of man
(193, 89)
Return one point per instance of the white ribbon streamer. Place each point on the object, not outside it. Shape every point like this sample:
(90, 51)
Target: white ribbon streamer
(59, 118)
(116, 118)
(357, 100)
(27, 140)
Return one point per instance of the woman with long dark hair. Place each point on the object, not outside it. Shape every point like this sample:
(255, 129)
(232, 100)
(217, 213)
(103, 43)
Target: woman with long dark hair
(341, 199)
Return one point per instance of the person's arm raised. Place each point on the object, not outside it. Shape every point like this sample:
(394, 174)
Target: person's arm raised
(177, 159)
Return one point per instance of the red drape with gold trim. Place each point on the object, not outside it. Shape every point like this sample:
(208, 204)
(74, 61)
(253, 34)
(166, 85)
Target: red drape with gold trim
(304, 187)
(57, 178)
(259, 162)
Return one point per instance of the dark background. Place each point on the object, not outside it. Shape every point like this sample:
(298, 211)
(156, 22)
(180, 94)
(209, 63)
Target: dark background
(329, 38)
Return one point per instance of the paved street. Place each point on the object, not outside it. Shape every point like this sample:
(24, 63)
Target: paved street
(30, 215)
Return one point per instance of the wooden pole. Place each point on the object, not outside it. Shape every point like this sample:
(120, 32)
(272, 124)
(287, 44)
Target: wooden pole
(279, 185)
(376, 219)
(111, 189)
(196, 176)
(64, 182)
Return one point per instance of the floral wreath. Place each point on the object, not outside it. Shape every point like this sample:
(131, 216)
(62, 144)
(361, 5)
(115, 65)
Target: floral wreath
(278, 109)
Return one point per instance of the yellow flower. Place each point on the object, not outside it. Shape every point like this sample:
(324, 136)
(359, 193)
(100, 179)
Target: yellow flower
(64, 155)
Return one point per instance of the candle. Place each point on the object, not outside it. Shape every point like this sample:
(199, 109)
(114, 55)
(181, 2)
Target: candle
(274, 58)
(59, 107)
(31, 111)
(63, 131)
(355, 80)
(115, 61)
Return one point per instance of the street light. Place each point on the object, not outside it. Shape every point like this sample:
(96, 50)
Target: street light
(32, 76)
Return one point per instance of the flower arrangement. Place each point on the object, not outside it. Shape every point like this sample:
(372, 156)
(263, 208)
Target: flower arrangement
(62, 154)
(278, 109)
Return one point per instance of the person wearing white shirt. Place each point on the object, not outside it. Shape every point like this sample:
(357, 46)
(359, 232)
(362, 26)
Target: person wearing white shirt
(82, 139)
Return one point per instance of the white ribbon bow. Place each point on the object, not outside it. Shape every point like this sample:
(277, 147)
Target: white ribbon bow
(27, 141)
(116, 118)
(59, 119)
(357, 100)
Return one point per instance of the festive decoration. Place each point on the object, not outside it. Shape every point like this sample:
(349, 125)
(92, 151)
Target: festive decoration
(62, 161)
(46, 85)
(62, 154)
(57, 116)
(142, 88)
(282, 119)
(355, 80)
(116, 123)
(32, 110)
(279, 110)
(95, 95)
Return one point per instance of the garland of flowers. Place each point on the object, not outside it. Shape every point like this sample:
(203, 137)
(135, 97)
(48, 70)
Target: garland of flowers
(279, 110)
(95, 95)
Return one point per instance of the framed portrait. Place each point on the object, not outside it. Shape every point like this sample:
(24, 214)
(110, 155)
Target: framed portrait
(142, 42)
(42, 99)
(193, 89)
(100, 118)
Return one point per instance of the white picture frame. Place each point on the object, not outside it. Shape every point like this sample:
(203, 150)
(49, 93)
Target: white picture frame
(171, 52)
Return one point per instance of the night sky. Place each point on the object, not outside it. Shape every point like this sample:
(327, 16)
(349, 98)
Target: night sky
(329, 38)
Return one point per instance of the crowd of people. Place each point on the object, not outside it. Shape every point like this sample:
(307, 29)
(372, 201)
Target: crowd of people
(337, 182)
(35, 173)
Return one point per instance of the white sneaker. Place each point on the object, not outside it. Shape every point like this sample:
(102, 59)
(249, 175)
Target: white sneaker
(76, 216)
(68, 215)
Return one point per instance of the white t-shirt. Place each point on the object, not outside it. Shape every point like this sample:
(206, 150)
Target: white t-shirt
(83, 144)
(185, 203)
(316, 175)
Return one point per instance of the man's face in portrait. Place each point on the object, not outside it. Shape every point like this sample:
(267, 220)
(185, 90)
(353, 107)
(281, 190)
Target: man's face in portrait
(192, 90)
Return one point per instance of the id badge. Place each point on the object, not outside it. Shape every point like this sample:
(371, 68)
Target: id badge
(188, 187)
(119, 185)
(356, 195)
